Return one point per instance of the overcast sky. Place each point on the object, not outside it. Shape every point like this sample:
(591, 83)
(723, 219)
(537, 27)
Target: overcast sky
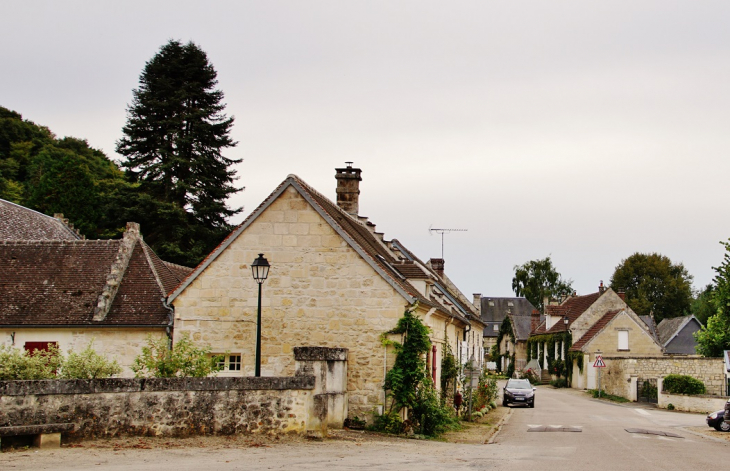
(586, 131)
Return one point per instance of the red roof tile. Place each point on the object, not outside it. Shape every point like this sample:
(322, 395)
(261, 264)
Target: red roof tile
(594, 330)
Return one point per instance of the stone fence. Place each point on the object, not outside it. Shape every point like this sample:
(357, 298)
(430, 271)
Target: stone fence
(699, 403)
(622, 375)
(312, 400)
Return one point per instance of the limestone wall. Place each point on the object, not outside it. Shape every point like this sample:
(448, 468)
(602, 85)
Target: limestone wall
(121, 344)
(319, 292)
(621, 374)
(312, 400)
(168, 407)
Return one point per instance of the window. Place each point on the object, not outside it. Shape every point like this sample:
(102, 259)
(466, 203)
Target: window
(623, 339)
(496, 328)
(229, 362)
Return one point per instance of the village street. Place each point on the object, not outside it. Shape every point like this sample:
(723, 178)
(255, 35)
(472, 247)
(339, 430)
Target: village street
(602, 444)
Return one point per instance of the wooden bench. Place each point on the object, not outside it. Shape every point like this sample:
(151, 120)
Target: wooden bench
(46, 436)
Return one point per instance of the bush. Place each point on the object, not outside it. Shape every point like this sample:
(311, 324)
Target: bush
(18, 364)
(670, 406)
(559, 383)
(88, 365)
(389, 423)
(157, 360)
(682, 384)
(531, 376)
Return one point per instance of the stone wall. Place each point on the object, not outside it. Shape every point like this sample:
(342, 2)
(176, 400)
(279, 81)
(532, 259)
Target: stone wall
(621, 374)
(312, 400)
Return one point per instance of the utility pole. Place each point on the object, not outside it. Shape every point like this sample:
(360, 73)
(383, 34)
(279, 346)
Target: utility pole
(442, 232)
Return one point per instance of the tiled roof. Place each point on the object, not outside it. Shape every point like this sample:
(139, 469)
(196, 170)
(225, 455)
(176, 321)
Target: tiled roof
(572, 308)
(594, 330)
(372, 247)
(59, 283)
(20, 223)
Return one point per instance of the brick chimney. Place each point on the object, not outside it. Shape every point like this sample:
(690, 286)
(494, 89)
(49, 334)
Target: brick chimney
(348, 188)
(601, 288)
(437, 264)
(534, 320)
(622, 295)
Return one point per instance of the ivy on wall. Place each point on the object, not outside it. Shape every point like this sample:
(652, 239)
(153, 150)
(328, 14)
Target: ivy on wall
(497, 355)
(556, 366)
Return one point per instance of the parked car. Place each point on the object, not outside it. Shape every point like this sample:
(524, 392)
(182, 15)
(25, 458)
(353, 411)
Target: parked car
(518, 391)
(717, 421)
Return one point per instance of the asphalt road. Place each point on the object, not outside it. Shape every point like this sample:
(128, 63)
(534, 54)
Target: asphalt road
(601, 444)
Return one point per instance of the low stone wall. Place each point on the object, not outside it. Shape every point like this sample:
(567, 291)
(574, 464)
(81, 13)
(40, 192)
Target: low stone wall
(698, 403)
(621, 374)
(178, 407)
(166, 406)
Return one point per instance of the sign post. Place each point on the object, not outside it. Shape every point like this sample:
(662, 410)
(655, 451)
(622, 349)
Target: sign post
(599, 363)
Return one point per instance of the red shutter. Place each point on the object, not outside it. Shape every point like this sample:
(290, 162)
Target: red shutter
(43, 346)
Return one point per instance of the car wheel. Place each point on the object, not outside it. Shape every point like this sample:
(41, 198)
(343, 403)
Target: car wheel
(724, 427)
(532, 405)
(504, 402)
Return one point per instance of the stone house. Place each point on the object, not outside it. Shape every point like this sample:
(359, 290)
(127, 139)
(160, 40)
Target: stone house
(567, 322)
(518, 312)
(334, 282)
(676, 335)
(56, 287)
(619, 333)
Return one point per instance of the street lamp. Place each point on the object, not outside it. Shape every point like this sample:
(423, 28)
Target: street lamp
(566, 320)
(260, 271)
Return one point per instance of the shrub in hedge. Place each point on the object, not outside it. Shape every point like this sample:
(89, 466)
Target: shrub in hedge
(683, 384)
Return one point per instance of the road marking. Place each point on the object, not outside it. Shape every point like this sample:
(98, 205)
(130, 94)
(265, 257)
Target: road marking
(641, 411)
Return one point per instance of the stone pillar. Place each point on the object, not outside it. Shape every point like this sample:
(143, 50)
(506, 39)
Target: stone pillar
(633, 384)
(330, 399)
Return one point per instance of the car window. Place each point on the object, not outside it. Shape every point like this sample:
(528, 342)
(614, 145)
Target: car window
(519, 384)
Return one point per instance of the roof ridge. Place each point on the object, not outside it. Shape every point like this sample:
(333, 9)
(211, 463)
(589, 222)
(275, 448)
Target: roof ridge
(116, 272)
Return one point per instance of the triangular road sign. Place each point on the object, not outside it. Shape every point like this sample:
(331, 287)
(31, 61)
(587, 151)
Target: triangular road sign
(599, 362)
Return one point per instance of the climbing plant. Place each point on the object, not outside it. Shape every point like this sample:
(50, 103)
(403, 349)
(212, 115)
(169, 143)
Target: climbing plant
(505, 329)
(556, 366)
(408, 384)
(449, 372)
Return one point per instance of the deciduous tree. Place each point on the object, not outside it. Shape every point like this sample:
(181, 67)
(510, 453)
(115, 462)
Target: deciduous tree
(715, 337)
(653, 284)
(538, 279)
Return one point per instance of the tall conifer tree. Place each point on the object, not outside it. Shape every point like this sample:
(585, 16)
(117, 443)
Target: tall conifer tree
(175, 134)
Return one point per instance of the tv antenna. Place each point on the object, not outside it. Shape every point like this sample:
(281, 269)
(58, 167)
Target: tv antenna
(431, 230)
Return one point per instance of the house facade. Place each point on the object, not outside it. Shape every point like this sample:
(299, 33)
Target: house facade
(334, 281)
(518, 313)
(58, 288)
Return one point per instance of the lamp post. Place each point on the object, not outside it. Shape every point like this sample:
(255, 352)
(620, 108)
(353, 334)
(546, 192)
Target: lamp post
(260, 271)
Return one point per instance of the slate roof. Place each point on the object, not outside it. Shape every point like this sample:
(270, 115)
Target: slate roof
(668, 327)
(649, 321)
(58, 283)
(595, 329)
(20, 223)
(676, 334)
(521, 326)
(375, 251)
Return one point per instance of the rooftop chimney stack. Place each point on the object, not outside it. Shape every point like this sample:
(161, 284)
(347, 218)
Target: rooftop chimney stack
(534, 320)
(437, 265)
(601, 288)
(348, 188)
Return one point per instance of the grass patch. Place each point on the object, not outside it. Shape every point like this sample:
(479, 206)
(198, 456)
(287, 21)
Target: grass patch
(606, 396)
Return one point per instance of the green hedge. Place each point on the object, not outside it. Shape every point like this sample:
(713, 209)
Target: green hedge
(682, 384)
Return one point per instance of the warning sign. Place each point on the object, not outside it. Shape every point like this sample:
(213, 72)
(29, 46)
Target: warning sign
(599, 362)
